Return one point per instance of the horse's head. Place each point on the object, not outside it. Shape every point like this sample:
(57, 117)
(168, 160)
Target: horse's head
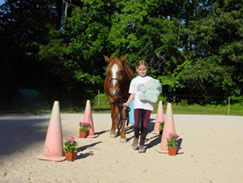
(114, 74)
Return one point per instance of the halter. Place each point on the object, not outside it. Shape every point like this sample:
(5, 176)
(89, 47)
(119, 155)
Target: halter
(114, 79)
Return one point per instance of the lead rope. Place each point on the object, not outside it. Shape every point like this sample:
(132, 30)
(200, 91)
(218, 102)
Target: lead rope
(128, 109)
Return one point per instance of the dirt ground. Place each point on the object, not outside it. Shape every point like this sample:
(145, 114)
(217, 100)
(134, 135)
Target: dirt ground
(212, 149)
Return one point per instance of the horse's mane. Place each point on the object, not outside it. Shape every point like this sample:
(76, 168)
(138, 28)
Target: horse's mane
(129, 71)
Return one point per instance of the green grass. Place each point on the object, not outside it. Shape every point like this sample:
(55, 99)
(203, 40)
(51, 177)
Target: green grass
(100, 104)
(236, 109)
(208, 109)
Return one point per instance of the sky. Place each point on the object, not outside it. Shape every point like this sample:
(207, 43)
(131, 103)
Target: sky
(2, 1)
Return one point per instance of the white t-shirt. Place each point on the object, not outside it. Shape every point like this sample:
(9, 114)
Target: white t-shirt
(135, 87)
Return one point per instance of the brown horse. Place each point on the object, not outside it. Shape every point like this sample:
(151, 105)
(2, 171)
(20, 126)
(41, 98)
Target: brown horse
(117, 82)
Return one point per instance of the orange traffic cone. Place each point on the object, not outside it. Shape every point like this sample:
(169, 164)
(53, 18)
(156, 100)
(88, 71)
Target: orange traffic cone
(53, 148)
(169, 127)
(159, 118)
(89, 119)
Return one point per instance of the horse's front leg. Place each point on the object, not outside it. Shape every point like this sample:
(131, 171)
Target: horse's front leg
(113, 119)
(116, 119)
(123, 127)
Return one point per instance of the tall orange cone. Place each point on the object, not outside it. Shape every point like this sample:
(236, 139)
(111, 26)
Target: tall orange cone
(53, 148)
(159, 118)
(89, 119)
(169, 127)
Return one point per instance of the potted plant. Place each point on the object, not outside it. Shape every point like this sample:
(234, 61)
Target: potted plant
(70, 149)
(83, 130)
(172, 144)
(161, 127)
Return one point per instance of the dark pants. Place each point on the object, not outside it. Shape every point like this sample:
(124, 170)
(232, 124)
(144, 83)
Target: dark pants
(141, 118)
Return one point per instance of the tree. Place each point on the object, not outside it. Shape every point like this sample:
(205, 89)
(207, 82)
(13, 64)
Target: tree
(86, 32)
(144, 31)
(22, 29)
(216, 53)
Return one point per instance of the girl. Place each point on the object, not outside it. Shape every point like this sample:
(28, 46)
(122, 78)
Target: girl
(142, 109)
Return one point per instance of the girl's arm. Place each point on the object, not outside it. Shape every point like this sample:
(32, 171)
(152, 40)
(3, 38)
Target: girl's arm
(131, 97)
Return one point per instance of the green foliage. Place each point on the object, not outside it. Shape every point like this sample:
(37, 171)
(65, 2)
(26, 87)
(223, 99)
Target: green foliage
(217, 54)
(86, 31)
(238, 100)
(184, 102)
(84, 127)
(172, 140)
(101, 100)
(143, 36)
(163, 98)
(70, 145)
(210, 109)
(208, 72)
(161, 126)
(55, 49)
(192, 47)
(87, 78)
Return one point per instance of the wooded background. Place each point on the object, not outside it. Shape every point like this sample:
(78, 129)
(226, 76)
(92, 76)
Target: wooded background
(53, 49)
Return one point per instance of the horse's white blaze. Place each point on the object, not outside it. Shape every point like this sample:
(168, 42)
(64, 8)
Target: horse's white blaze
(114, 71)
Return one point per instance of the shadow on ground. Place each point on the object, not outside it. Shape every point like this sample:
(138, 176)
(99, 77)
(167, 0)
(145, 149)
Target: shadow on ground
(82, 148)
(18, 132)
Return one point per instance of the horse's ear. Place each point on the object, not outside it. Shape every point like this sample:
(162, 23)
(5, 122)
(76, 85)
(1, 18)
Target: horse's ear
(107, 59)
(123, 58)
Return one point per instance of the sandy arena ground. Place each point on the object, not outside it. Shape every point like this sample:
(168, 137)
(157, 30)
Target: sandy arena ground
(212, 146)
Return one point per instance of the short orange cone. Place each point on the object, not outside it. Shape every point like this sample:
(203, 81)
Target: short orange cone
(53, 148)
(169, 127)
(159, 118)
(89, 119)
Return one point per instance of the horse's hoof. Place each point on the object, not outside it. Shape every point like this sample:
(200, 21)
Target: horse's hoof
(112, 135)
(123, 140)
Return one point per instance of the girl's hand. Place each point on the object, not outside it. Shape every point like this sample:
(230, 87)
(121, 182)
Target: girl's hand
(125, 104)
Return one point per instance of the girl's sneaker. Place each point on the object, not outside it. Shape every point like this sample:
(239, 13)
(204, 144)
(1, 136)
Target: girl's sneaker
(141, 149)
(135, 144)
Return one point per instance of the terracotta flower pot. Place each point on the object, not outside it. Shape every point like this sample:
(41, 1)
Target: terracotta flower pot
(83, 134)
(70, 156)
(172, 151)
